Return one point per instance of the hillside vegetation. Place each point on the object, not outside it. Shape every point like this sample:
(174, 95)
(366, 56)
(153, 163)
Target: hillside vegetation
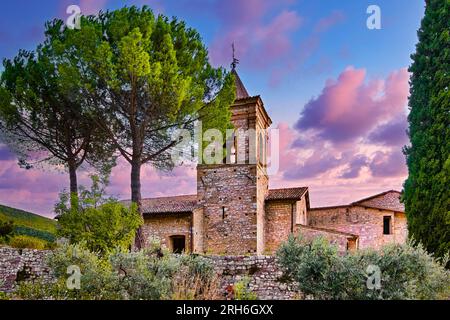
(29, 224)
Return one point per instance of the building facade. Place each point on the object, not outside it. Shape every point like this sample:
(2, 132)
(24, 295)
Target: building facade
(234, 212)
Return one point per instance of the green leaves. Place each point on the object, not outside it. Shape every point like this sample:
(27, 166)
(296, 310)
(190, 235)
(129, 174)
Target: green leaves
(102, 224)
(426, 191)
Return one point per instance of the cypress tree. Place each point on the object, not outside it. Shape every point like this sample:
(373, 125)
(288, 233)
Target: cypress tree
(427, 189)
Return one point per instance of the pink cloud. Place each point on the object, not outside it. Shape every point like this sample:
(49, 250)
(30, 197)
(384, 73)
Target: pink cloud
(349, 107)
(89, 7)
(327, 22)
(258, 42)
(306, 49)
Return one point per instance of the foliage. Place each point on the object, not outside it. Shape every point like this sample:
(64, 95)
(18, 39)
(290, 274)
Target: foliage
(144, 77)
(123, 275)
(407, 271)
(242, 291)
(42, 119)
(26, 219)
(426, 191)
(42, 235)
(22, 242)
(101, 223)
(6, 230)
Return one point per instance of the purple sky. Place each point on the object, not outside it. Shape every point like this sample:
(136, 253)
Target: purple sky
(336, 90)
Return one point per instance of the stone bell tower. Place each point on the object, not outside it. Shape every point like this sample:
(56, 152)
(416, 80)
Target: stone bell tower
(232, 194)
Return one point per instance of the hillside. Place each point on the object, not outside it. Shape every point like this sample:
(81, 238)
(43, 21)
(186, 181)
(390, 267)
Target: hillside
(28, 223)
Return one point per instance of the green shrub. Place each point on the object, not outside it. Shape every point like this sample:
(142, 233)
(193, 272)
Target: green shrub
(26, 242)
(407, 271)
(123, 275)
(242, 290)
(6, 230)
(101, 223)
(27, 231)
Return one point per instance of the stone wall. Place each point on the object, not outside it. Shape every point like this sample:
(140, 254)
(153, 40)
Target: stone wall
(265, 274)
(367, 223)
(279, 223)
(228, 196)
(21, 264)
(164, 226)
(341, 240)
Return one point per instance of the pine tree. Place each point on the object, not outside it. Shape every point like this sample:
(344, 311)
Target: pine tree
(427, 189)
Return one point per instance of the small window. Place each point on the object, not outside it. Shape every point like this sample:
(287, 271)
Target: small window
(223, 213)
(178, 244)
(387, 225)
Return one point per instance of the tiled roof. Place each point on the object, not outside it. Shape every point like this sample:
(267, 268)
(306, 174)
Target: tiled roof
(388, 200)
(241, 92)
(176, 204)
(286, 193)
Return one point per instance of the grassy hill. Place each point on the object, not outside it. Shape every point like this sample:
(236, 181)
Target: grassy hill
(30, 224)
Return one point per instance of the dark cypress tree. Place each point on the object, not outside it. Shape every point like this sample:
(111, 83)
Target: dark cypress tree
(427, 189)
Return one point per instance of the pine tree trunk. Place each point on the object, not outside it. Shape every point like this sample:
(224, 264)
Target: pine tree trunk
(73, 183)
(136, 198)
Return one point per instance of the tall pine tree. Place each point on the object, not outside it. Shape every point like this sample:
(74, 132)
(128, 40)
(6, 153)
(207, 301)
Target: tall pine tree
(427, 189)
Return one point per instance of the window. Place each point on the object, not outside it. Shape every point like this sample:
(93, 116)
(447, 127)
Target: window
(387, 225)
(223, 213)
(261, 149)
(178, 244)
(352, 244)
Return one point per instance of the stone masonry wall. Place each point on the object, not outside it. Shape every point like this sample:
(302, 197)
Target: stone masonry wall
(228, 196)
(367, 223)
(163, 226)
(278, 223)
(21, 264)
(266, 275)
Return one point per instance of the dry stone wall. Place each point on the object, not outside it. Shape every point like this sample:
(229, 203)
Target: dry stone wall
(22, 264)
(265, 274)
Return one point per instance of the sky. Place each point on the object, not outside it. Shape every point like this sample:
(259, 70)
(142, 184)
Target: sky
(336, 90)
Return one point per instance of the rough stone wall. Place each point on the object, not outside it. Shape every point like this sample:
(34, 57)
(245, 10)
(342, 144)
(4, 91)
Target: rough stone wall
(278, 223)
(266, 276)
(163, 226)
(227, 194)
(389, 200)
(367, 223)
(264, 272)
(21, 264)
(335, 238)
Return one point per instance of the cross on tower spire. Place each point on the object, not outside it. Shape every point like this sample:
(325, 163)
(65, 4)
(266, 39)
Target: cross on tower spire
(235, 61)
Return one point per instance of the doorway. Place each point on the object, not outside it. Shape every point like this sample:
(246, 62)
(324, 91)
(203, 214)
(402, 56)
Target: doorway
(178, 244)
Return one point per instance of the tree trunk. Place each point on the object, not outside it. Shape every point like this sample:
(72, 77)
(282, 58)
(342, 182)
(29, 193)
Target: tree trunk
(136, 198)
(73, 183)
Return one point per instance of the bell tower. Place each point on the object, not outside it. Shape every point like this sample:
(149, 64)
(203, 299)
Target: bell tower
(232, 195)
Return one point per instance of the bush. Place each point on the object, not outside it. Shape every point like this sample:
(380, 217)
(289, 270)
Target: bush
(101, 223)
(26, 242)
(124, 275)
(242, 290)
(6, 231)
(406, 271)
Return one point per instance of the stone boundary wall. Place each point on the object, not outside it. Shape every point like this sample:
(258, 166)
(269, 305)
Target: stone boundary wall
(21, 264)
(266, 276)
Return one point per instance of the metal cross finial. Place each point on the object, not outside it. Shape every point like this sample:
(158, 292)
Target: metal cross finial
(235, 61)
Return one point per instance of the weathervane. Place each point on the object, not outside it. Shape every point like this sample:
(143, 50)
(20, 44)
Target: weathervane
(235, 61)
